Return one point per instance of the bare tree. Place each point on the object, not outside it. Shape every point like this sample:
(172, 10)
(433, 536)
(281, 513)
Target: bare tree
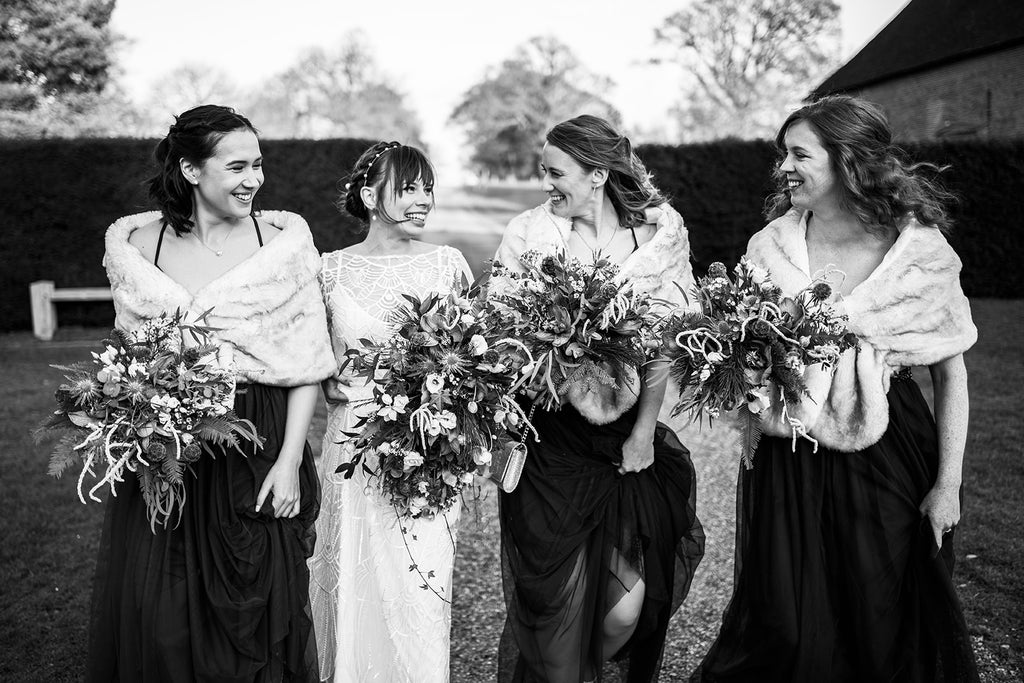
(337, 93)
(746, 61)
(507, 114)
(185, 87)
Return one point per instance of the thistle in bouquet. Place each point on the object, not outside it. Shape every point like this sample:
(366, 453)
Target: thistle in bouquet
(148, 405)
(442, 402)
(574, 322)
(746, 343)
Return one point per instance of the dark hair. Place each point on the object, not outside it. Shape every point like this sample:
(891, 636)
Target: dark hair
(876, 183)
(385, 164)
(593, 143)
(194, 136)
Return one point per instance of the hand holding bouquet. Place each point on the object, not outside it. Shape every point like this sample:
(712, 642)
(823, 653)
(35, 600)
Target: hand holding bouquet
(748, 344)
(442, 404)
(576, 325)
(147, 405)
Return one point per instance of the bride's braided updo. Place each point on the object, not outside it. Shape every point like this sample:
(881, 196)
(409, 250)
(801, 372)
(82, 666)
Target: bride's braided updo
(389, 165)
(194, 137)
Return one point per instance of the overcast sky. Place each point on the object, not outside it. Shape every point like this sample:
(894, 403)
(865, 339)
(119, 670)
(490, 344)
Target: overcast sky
(433, 50)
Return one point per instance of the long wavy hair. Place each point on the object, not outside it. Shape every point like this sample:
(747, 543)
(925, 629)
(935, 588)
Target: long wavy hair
(194, 137)
(877, 183)
(593, 143)
(385, 166)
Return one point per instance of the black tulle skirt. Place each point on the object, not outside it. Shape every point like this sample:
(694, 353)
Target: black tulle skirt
(837, 573)
(223, 596)
(576, 536)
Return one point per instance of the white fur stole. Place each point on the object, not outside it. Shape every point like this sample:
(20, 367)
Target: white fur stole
(268, 307)
(655, 269)
(909, 311)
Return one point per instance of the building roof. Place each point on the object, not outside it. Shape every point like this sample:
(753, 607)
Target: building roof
(926, 34)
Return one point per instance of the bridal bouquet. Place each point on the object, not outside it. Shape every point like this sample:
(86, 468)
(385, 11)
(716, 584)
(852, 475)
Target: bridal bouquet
(748, 344)
(442, 405)
(574, 324)
(149, 406)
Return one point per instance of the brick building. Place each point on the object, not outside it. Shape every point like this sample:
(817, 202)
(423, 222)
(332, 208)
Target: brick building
(944, 69)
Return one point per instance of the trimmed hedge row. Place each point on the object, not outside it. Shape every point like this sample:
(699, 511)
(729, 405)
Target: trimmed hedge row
(59, 196)
(720, 189)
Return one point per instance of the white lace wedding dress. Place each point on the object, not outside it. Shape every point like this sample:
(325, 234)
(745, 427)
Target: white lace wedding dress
(373, 619)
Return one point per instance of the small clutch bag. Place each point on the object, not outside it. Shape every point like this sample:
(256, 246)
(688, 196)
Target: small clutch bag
(507, 466)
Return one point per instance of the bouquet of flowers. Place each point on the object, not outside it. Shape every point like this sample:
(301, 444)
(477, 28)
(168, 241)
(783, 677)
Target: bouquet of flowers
(442, 405)
(748, 341)
(147, 405)
(574, 324)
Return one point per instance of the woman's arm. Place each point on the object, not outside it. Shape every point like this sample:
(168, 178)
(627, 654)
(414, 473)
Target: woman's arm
(638, 449)
(283, 477)
(942, 504)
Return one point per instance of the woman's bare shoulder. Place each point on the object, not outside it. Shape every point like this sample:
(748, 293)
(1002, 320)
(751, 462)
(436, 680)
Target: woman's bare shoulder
(268, 230)
(145, 238)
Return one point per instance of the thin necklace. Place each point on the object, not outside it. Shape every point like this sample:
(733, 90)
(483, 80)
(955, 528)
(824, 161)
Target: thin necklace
(216, 252)
(594, 251)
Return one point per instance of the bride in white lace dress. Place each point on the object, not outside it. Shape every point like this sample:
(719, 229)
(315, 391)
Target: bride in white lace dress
(376, 616)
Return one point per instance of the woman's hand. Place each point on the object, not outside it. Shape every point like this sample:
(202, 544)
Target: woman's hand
(283, 481)
(333, 391)
(942, 507)
(637, 452)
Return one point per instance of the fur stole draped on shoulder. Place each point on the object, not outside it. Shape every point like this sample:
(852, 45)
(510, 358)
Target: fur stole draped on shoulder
(656, 268)
(653, 268)
(268, 307)
(909, 311)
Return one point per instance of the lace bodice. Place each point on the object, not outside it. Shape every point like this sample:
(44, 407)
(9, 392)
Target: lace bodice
(362, 291)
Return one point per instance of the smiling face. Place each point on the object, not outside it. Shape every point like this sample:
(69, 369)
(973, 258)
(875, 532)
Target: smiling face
(569, 185)
(227, 182)
(812, 184)
(409, 206)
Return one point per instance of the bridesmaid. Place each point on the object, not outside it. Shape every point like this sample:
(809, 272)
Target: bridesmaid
(601, 538)
(844, 547)
(221, 596)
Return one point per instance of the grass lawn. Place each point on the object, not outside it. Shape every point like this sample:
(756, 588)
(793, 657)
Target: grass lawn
(50, 538)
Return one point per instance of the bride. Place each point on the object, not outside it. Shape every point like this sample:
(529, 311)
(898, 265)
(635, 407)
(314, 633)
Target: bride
(374, 619)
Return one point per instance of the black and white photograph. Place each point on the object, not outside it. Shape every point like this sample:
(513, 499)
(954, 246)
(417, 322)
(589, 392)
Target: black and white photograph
(564, 341)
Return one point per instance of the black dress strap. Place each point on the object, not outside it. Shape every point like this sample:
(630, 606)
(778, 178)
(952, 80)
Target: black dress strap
(259, 235)
(636, 245)
(159, 243)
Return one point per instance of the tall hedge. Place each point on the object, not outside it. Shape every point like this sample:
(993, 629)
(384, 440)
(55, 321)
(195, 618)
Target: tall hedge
(719, 188)
(58, 196)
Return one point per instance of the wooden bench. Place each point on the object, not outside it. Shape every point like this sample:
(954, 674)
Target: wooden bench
(45, 297)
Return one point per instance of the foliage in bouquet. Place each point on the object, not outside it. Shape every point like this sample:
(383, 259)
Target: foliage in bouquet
(148, 405)
(441, 402)
(574, 322)
(748, 340)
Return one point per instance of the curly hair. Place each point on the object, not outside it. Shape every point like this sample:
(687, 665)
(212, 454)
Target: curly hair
(593, 143)
(877, 183)
(390, 165)
(194, 136)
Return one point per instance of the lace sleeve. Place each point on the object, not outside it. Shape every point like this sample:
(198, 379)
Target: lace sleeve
(330, 268)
